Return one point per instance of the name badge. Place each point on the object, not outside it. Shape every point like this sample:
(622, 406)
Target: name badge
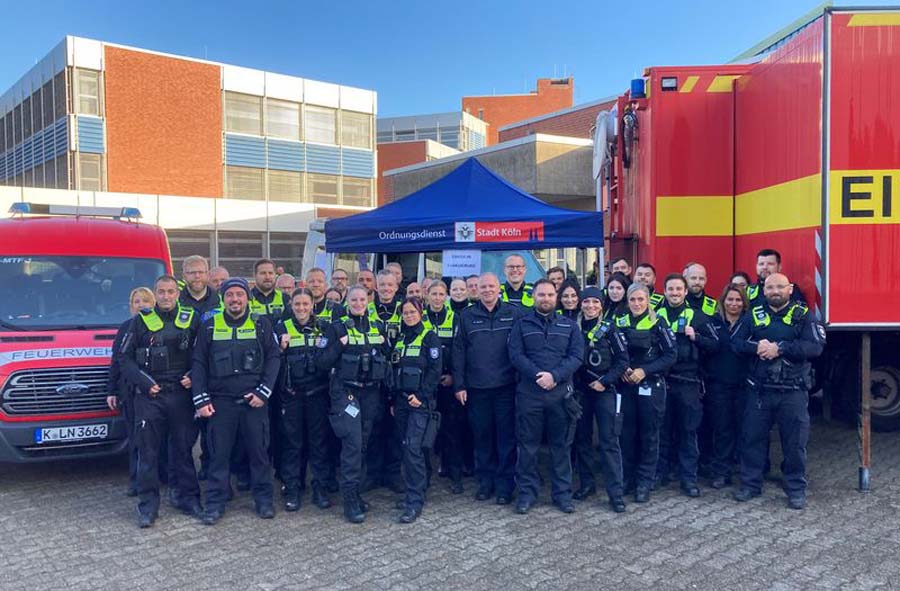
(645, 391)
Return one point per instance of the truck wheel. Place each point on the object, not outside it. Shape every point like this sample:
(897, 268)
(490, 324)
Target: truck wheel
(885, 398)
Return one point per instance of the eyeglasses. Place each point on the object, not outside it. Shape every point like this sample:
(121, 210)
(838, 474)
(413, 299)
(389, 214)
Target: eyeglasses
(515, 267)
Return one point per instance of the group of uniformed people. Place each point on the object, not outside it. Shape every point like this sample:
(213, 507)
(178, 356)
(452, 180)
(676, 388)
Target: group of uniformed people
(361, 385)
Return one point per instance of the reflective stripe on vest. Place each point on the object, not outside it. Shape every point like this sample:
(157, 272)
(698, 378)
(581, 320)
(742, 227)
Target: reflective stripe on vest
(752, 292)
(414, 347)
(762, 318)
(274, 308)
(372, 337)
(656, 299)
(154, 323)
(445, 330)
(687, 314)
(527, 298)
(374, 317)
(223, 332)
(709, 306)
(601, 327)
(646, 323)
(297, 338)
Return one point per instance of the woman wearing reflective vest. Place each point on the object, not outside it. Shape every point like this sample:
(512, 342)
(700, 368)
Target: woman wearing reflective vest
(651, 348)
(614, 302)
(358, 351)
(605, 360)
(441, 319)
(416, 369)
(726, 375)
(304, 402)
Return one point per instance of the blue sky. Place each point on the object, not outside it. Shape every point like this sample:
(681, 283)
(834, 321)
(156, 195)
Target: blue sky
(420, 56)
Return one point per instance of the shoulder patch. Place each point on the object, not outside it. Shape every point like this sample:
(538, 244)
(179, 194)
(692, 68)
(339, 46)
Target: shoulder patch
(321, 342)
(820, 330)
(434, 352)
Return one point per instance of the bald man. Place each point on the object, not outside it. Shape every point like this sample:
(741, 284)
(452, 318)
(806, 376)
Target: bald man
(780, 337)
(695, 276)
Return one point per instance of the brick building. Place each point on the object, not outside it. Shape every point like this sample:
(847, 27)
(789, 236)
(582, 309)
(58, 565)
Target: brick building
(552, 94)
(400, 154)
(577, 121)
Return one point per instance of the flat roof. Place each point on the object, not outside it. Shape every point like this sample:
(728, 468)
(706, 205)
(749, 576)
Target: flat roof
(528, 139)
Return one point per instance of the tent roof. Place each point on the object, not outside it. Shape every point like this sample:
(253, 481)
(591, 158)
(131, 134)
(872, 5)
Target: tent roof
(498, 215)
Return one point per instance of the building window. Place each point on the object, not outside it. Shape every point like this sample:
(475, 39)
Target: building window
(238, 251)
(287, 251)
(26, 118)
(285, 185)
(245, 183)
(48, 103)
(62, 172)
(320, 125)
(427, 133)
(450, 136)
(185, 243)
(2, 139)
(385, 137)
(50, 174)
(87, 92)
(283, 119)
(17, 124)
(356, 130)
(404, 136)
(357, 192)
(243, 113)
(37, 111)
(59, 96)
(90, 177)
(323, 188)
(39, 176)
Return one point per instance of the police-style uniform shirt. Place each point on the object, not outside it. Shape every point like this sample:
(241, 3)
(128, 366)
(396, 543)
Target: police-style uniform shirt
(480, 351)
(521, 297)
(545, 342)
(388, 313)
(706, 341)
(363, 361)
(702, 303)
(459, 306)
(117, 385)
(303, 368)
(757, 296)
(799, 336)
(209, 304)
(651, 343)
(605, 354)
(234, 357)
(443, 324)
(416, 363)
(275, 305)
(158, 347)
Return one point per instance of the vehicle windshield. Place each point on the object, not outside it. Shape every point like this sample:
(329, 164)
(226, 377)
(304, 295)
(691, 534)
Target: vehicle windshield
(58, 292)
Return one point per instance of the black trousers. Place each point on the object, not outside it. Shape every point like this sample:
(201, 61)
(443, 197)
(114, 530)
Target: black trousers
(230, 422)
(354, 431)
(167, 416)
(492, 415)
(126, 407)
(725, 410)
(411, 423)
(536, 412)
(678, 437)
(304, 435)
(789, 409)
(604, 408)
(643, 407)
(452, 435)
(384, 454)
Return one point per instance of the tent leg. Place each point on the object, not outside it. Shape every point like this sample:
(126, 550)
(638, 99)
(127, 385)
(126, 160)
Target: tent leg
(865, 414)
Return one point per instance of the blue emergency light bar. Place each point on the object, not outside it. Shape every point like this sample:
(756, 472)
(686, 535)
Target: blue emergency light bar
(22, 208)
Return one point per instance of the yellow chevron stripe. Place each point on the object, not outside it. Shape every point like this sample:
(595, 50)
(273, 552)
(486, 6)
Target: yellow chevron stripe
(721, 84)
(875, 19)
(689, 84)
(694, 216)
(786, 206)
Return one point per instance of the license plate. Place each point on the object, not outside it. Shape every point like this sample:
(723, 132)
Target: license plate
(75, 433)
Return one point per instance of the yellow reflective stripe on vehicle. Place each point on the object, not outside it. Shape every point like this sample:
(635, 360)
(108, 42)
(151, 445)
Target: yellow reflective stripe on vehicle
(875, 19)
(785, 206)
(689, 84)
(722, 83)
(694, 216)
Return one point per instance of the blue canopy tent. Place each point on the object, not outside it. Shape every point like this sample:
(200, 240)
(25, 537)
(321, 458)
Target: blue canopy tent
(471, 208)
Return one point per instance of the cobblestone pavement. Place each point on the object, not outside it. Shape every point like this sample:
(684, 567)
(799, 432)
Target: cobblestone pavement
(70, 526)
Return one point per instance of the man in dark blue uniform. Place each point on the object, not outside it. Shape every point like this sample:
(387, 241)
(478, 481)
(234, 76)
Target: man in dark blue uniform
(546, 349)
(781, 337)
(768, 262)
(156, 358)
(484, 382)
(236, 363)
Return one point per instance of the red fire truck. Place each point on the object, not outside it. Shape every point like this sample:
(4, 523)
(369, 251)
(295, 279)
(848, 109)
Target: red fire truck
(65, 277)
(796, 149)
